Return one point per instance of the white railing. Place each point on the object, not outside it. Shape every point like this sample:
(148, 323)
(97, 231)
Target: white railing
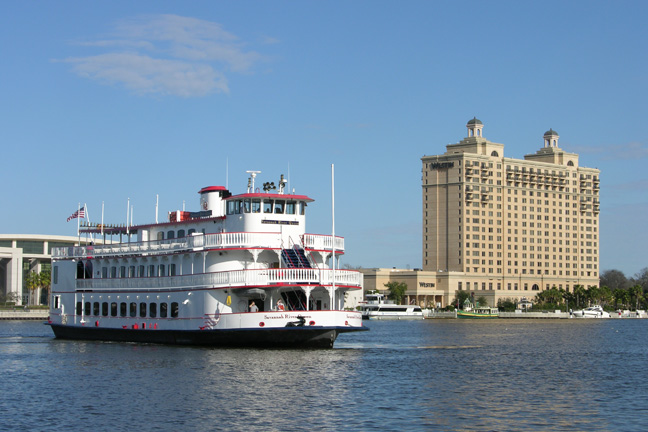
(192, 243)
(236, 278)
(323, 242)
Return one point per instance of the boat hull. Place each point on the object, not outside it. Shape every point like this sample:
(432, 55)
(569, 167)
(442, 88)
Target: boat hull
(476, 315)
(393, 317)
(288, 337)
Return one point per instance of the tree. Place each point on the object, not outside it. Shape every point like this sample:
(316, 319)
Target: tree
(45, 282)
(620, 297)
(396, 290)
(635, 294)
(614, 279)
(33, 282)
(641, 279)
(460, 298)
(481, 301)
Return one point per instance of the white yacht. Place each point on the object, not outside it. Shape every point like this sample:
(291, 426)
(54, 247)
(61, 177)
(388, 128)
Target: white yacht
(241, 271)
(375, 307)
(595, 311)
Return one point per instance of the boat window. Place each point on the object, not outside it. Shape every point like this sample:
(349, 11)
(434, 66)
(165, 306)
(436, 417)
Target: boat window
(267, 206)
(133, 309)
(87, 308)
(302, 208)
(80, 270)
(256, 206)
(95, 309)
(174, 310)
(104, 272)
(104, 309)
(290, 207)
(122, 309)
(163, 310)
(88, 269)
(143, 310)
(151, 270)
(140, 271)
(55, 275)
(113, 309)
(113, 272)
(153, 310)
(131, 271)
(78, 308)
(279, 206)
(161, 270)
(160, 236)
(172, 269)
(181, 233)
(191, 231)
(246, 206)
(122, 271)
(171, 234)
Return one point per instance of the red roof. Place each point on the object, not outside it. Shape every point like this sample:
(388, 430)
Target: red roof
(271, 196)
(212, 189)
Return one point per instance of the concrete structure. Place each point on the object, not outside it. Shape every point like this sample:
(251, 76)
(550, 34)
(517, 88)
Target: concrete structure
(23, 253)
(500, 227)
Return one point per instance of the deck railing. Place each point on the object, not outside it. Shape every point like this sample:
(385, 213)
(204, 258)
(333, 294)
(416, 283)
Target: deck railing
(236, 278)
(196, 242)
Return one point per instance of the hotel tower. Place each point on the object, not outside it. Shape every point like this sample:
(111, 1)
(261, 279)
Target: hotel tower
(509, 227)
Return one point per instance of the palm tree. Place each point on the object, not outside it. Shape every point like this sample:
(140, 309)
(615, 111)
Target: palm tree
(32, 281)
(45, 281)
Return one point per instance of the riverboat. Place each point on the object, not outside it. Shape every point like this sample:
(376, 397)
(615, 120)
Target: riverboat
(376, 308)
(595, 311)
(241, 271)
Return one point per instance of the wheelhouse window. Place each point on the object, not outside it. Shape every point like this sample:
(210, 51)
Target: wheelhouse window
(171, 234)
(302, 208)
(279, 206)
(246, 206)
(267, 206)
(290, 207)
(181, 233)
(256, 206)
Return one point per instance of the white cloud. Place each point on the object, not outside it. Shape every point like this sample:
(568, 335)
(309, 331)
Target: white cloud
(167, 54)
(628, 151)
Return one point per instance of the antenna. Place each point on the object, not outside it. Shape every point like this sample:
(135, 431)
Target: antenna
(251, 180)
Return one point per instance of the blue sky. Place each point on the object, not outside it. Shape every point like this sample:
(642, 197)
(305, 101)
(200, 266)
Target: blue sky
(105, 101)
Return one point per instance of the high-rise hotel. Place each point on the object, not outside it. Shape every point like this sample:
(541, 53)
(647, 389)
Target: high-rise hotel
(509, 226)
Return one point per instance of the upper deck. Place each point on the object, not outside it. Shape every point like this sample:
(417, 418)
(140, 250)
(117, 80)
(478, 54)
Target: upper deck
(200, 242)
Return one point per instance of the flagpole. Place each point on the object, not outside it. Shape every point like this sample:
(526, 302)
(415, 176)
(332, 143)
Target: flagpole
(157, 204)
(78, 223)
(333, 230)
(102, 220)
(87, 216)
(127, 212)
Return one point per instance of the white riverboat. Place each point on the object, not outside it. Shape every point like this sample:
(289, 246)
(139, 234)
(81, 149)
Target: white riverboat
(376, 308)
(591, 312)
(242, 271)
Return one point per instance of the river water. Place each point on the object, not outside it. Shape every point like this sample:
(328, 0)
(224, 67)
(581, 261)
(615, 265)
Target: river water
(447, 375)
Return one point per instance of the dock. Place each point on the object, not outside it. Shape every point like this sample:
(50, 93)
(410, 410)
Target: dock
(24, 314)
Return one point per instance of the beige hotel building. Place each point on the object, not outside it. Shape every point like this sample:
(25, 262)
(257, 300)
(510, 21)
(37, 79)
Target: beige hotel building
(500, 227)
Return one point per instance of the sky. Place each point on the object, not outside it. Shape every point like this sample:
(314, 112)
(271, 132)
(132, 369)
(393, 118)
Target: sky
(118, 101)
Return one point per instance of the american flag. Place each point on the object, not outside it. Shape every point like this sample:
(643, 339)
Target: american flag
(77, 214)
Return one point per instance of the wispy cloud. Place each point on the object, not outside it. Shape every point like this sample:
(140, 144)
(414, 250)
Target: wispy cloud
(166, 54)
(639, 185)
(629, 151)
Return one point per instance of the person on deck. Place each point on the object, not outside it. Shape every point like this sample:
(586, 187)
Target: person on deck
(253, 307)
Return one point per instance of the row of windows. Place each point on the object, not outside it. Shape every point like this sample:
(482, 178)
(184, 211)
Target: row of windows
(123, 309)
(172, 234)
(150, 270)
(268, 205)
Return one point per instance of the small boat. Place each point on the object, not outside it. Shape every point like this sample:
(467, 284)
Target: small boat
(375, 307)
(595, 311)
(478, 312)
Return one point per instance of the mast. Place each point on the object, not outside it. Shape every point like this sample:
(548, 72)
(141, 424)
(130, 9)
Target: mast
(333, 232)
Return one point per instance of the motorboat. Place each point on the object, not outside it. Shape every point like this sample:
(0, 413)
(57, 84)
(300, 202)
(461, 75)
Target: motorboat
(595, 311)
(375, 307)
